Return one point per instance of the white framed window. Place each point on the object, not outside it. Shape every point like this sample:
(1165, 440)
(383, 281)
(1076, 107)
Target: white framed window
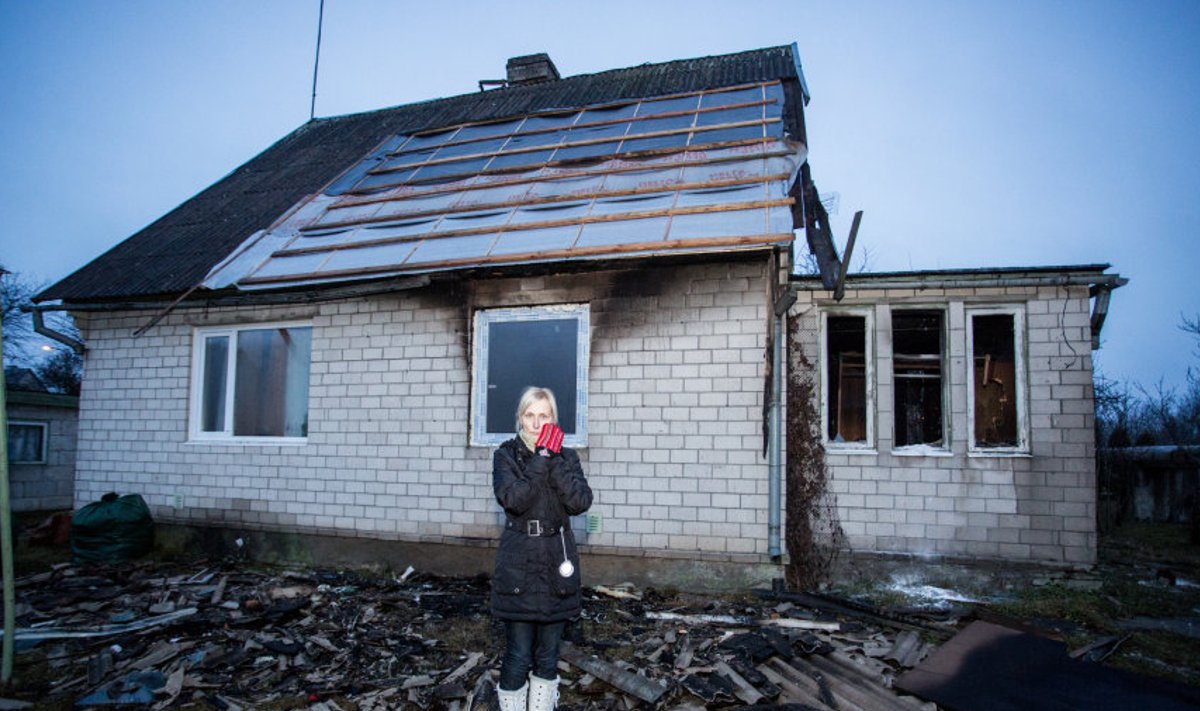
(919, 390)
(28, 442)
(848, 378)
(546, 346)
(996, 389)
(250, 382)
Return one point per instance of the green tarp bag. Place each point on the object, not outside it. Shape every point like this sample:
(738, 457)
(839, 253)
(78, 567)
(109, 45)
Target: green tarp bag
(111, 530)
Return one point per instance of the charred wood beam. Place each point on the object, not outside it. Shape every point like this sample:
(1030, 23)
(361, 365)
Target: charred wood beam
(818, 233)
(840, 290)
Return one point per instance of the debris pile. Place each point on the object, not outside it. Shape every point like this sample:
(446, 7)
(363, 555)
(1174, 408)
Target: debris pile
(233, 637)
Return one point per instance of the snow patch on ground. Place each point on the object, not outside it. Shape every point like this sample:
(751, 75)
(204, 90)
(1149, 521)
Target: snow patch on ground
(927, 594)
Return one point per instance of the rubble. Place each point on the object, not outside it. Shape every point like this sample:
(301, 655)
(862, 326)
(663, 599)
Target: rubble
(229, 636)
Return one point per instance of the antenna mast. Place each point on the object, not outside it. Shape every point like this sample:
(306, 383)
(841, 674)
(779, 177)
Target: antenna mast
(312, 111)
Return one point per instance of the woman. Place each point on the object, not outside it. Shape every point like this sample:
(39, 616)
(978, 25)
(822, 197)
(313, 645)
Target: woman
(535, 590)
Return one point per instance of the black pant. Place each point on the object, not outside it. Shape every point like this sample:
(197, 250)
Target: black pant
(529, 645)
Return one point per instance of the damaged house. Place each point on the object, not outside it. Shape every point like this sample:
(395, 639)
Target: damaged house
(318, 353)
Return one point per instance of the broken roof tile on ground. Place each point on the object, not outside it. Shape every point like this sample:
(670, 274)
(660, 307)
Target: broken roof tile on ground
(229, 637)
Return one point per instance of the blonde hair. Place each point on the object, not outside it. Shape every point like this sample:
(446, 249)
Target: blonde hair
(531, 394)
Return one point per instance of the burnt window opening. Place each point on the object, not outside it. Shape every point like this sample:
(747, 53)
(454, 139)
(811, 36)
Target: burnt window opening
(846, 378)
(918, 344)
(994, 366)
(546, 346)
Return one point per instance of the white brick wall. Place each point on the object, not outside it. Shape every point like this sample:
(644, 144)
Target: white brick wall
(1037, 507)
(675, 411)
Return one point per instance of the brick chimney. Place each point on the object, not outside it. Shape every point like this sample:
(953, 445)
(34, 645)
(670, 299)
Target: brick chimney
(531, 69)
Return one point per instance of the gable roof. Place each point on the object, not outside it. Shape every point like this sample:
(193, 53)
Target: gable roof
(178, 251)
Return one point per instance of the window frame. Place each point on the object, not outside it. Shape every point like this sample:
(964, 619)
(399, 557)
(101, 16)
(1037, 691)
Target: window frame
(946, 384)
(1020, 368)
(867, 313)
(200, 334)
(44, 455)
(479, 436)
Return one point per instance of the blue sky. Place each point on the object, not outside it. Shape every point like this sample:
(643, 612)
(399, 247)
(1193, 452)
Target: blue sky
(971, 134)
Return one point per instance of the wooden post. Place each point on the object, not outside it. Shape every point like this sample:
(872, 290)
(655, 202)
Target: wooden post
(6, 543)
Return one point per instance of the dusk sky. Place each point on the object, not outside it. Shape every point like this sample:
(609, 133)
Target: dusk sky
(971, 134)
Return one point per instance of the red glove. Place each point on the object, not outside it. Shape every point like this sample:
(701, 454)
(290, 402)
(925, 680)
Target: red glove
(551, 438)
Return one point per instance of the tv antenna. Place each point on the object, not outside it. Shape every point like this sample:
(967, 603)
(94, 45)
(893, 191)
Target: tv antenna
(312, 111)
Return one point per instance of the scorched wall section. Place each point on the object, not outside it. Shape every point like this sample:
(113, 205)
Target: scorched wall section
(1032, 501)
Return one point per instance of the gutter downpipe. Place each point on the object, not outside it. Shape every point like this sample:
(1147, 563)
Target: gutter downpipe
(775, 427)
(39, 326)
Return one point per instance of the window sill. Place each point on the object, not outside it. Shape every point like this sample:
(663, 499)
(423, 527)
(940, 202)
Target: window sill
(918, 450)
(999, 454)
(864, 451)
(249, 441)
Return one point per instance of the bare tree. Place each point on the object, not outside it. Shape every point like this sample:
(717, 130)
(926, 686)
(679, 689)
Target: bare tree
(17, 290)
(59, 368)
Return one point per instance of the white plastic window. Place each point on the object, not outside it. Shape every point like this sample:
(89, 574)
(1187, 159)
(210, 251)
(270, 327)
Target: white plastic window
(250, 383)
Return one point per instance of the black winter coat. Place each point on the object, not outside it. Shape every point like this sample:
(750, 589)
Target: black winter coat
(527, 585)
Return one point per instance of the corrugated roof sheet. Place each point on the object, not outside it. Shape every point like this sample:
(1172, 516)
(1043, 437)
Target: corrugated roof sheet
(176, 252)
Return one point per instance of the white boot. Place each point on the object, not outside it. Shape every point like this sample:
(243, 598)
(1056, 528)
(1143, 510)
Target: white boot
(513, 700)
(543, 693)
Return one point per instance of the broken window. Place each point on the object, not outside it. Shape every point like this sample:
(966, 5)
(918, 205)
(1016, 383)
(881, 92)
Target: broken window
(546, 346)
(847, 378)
(26, 442)
(997, 380)
(251, 382)
(918, 342)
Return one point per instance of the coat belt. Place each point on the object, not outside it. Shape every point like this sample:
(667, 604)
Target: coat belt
(533, 527)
